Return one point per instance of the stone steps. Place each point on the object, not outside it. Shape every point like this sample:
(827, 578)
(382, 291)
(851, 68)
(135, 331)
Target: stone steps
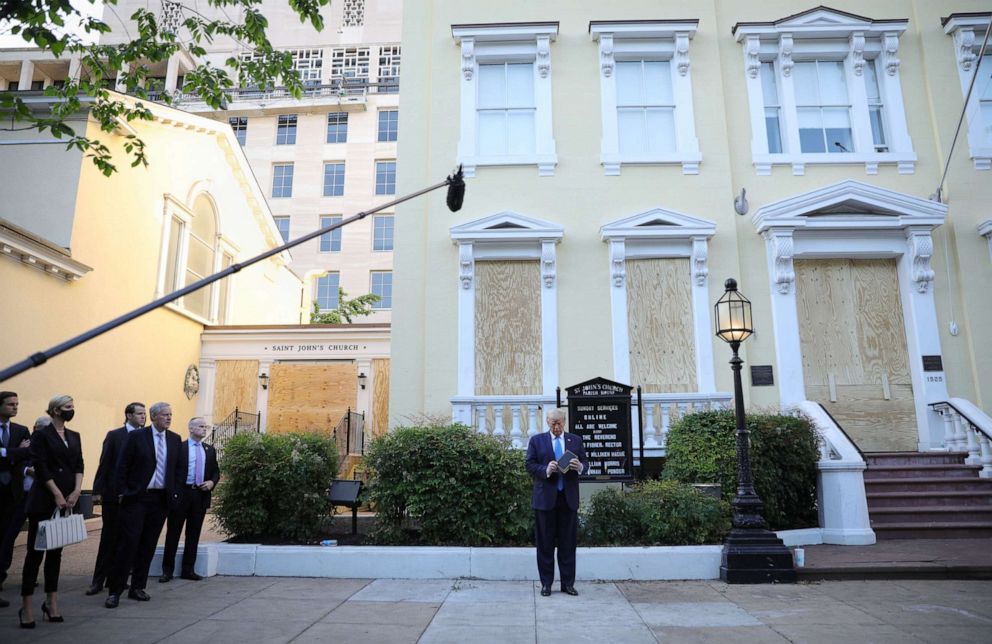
(879, 500)
(945, 470)
(932, 514)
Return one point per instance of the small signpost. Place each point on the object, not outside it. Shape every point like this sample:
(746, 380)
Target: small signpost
(599, 412)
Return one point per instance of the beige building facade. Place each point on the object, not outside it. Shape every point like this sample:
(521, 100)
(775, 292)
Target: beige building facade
(623, 161)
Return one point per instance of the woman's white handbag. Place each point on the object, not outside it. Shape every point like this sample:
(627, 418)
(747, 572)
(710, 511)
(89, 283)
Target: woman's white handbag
(60, 531)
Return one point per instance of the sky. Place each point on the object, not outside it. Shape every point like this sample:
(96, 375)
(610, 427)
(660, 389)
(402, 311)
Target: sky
(86, 7)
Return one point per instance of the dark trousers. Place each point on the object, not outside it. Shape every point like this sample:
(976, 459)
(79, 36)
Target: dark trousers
(556, 529)
(32, 561)
(11, 520)
(108, 542)
(192, 508)
(141, 521)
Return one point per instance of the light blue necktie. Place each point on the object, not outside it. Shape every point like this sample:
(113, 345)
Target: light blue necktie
(558, 452)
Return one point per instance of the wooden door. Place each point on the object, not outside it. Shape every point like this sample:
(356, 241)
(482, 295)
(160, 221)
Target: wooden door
(854, 349)
(310, 397)
(236, 386)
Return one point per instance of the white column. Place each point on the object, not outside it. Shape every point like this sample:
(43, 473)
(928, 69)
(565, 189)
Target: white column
(785, 318)
(467, 144)
(262, 395)
(618, 310)
(702, 321)
(894, 105)
(787, 91)
(549, 317)
(75, 67)
(685, 122)
(857, 94)
(922, 332)
(27, 75)
(172, 73)
(756, 103)
(363, 401)
(546, 156)
(610, 142)
(205, 399)
(466, 320)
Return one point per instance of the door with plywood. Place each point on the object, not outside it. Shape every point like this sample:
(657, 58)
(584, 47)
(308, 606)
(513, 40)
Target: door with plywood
(310, 397)
(236, 388)
(854, 353)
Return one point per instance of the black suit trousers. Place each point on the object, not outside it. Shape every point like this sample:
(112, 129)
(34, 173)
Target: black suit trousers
(556, 529)
(141, 521)
(191, 511)
(109, 536)
(11, 520)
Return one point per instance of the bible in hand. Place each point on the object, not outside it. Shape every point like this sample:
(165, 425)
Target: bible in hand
(565, 460)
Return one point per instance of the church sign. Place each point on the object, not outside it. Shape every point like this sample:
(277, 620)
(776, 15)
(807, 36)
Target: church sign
(599, 412)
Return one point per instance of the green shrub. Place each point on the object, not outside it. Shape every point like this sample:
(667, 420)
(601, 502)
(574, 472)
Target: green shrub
(274, 486)
(784, 450)
(654, 513)
(457, 487)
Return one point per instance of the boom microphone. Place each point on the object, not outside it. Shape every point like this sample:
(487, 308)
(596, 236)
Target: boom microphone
(456, 190)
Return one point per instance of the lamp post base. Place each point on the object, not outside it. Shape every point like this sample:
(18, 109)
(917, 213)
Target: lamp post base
(756, 556)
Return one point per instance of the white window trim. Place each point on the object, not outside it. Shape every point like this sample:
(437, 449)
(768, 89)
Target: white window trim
(969, 32)
(827, 34)
(678, 235)
(662, 40)
(881, 223)
(505, 235)
(224, 247)
(985, 230)
(510, 42)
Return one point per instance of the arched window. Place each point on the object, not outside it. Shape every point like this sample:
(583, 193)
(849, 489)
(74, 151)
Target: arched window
(200, 257)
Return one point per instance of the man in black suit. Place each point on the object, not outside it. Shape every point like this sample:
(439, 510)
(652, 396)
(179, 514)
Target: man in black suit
(199, 462)
(105, 485)
(15, 451)
(555, 500)
(147, 487)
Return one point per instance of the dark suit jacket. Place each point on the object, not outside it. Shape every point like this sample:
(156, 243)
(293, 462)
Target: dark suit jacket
(16, 459)
(540, 452)
(137, 464)
(105, 482)
(53, 461)
(211, 471)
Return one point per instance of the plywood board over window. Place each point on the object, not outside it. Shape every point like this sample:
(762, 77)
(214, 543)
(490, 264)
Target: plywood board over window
(853, 340)
(236, 387)
(380, 397)
(310, 397)
(660, 325)
(507, 328)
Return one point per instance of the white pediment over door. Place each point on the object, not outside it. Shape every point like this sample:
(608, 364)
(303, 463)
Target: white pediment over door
(506, 226)
(658, 223)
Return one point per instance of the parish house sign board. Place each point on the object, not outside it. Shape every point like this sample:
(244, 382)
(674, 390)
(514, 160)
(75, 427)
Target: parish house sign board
(599, 412)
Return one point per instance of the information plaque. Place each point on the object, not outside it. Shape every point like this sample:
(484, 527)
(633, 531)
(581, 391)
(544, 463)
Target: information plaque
(599, 412)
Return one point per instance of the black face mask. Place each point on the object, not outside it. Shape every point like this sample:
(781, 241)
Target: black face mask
(67, 414)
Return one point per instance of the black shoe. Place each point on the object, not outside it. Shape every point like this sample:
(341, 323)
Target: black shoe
(192, 576)
(4, 603)
(94, 589)
(21, 622)
(112, 601)
(545, 591)
(138, 595)
(164, 579)
(570, 590)
(46, 614)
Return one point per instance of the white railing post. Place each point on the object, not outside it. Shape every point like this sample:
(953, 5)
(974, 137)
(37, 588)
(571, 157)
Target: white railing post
(515, 426)
(480, 411)
(986, 448)
(498, 420)
(531, 420)
(974, 457)
(948, 427)
(960, 437)
(650, 433)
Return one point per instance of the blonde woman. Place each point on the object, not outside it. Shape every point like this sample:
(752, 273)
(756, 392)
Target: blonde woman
(57, 457)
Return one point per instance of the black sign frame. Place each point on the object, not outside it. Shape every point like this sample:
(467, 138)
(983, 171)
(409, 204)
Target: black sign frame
(599, 412)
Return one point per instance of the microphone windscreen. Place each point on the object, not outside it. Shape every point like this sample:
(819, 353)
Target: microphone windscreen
(456, 190)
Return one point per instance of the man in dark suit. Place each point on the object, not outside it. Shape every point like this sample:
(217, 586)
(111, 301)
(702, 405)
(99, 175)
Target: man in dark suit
(105, 485)
(555, 500)
(199, 463)
(15, 451)
(147, 487)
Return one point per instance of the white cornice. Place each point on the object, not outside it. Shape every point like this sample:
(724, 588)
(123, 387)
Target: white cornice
(676, 226)
(506, 226)
(819, 23)
(505, 32)
(54, 262)
(650, 29)
(957, 21)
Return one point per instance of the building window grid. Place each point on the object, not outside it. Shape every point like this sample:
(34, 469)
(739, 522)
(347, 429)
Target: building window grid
(506, 109)
(823, 109)
(388, 125)
(330, 242)
(385, 177)
(773, 108)
(282, 180)
(382, 285)
(645, 107)
(350, 63)
(239, 124)
(282, 224)
(308, 65)
(876, 108)
(333, 179)
(389, 69)
(337, 127)
(382, 233)
(286, 129)
(327, 291)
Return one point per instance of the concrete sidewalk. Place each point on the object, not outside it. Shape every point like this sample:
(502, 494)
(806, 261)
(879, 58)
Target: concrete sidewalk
(245, 610)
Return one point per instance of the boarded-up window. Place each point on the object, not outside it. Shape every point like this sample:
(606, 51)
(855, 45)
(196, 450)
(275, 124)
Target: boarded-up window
(380, 397)
(310, 397)
(236, 387)
(507, 328)
(660, 324)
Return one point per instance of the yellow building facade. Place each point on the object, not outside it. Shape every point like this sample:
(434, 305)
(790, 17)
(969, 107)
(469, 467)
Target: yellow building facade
(80, 248)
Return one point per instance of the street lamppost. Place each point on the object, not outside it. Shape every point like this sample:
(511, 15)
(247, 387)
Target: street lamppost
(752, 554)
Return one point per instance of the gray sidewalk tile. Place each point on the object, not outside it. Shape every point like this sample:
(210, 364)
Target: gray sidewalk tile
(513, 613)
(413, 590)
(722, 635)
(294, 588)
(831, 634)
(262, 608)
(364, 634)
(695, 614)
(810, 611)
(932, 611)
(949, 634)
(209, 631)
(474, 590)
(398, 613)
(459, 634)
(618, 631)
(663, 592)
(140, 631)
